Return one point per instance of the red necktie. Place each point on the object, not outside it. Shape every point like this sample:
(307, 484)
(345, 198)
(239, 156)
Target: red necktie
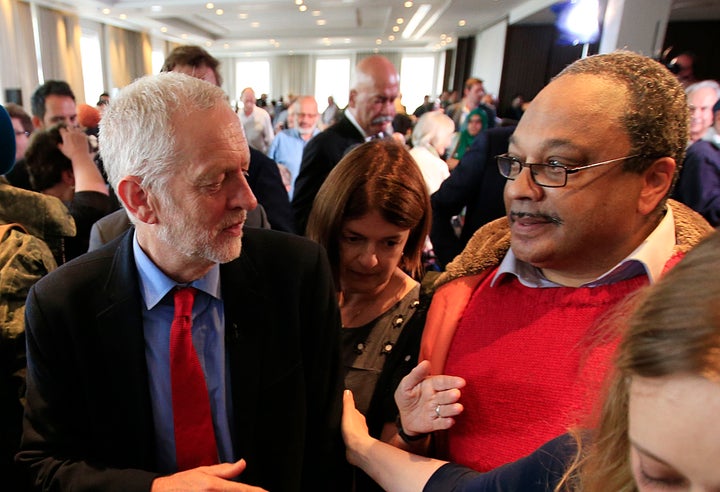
(194, 435)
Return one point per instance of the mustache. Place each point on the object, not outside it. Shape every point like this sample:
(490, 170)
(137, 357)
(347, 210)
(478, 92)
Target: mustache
(529, 215)
(240, 217)
(381, 119)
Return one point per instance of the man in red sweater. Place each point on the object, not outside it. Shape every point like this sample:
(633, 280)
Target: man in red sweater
(519, 313)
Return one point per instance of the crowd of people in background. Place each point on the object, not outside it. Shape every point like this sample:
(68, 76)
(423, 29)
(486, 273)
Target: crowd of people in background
(462, 272)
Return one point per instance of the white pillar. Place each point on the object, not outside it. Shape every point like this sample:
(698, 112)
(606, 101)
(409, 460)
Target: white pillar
(636, 25)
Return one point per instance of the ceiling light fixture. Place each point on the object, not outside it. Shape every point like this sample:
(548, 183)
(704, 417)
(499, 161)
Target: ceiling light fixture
(321, 22)
(219, 11)
(254, 24)
(408, 4)
(163, 29)
(209, 6)
(156, 8)
(242, 15)
(298, 2)
(415, 20)
(106, 11)
(123, 16)
(399, 20)
(396, 28)
(302, 8)
(316, 13)
(462, 23)
(432, 20)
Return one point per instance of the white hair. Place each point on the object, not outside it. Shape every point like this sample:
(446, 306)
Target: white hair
(137, 131)
(703, 84)
(429, 127)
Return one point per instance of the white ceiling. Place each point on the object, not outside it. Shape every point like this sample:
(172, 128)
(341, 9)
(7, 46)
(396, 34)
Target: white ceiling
(278, 26)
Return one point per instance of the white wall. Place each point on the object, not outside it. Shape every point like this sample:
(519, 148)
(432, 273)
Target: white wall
(489, 53)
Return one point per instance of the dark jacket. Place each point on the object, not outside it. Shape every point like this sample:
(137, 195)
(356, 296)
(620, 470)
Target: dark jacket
(320, 156)
(88, 417)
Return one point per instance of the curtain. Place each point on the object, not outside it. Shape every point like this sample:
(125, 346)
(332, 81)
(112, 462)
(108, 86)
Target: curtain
(292, 74)
(17, 50)
(59, 34)
(128, 55)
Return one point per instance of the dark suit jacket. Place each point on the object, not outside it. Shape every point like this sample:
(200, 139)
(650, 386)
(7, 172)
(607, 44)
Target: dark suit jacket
(320, 156)
(476, 184)
(267, 185)
(111, 226)
(88, 417)
(698, 186)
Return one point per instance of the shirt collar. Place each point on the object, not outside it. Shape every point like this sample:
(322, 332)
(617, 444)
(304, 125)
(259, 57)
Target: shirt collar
(154, 284)
(649, 258)
(350, 116)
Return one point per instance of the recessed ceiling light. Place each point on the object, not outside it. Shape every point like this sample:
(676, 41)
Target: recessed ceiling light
(298, 2)
(346, 40)
(408, 4)
(106, 11)
(219, 11)
(302, 8)
(123, 16)
(443, 36)
(316, 13)
(208, 43)
(399, 20)
(254, 24)
(242, 15)
(272, 41)
(391, 38)
(396, 28)
(226, 46)
(156, 8)
(184, 36)
(163, 29)
(378, 41)
(209, 6)
(461, 22)
(320, 22)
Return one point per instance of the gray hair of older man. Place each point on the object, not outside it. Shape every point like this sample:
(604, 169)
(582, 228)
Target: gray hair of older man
(137, 133)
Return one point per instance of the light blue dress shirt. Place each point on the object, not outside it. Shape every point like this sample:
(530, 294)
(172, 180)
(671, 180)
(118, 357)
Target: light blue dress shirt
(208, 334)
(287, 149)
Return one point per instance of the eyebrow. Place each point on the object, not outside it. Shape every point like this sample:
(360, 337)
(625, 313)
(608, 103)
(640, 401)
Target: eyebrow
(554, 144)
(649, 454)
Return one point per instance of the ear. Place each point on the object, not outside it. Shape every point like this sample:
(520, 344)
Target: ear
(137, 200)
(656, 182)
(37, 122)
(68, 177)
(351, 100)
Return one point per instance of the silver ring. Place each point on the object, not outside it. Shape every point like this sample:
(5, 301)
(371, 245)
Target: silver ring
(437, 412)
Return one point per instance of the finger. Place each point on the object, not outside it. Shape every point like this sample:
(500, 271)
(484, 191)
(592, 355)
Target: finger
(415, 377)
(444, 382)
(227, 470)
(348, 402)
(446, 397)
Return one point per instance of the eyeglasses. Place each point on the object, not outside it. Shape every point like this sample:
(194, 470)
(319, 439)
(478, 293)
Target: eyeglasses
(551, 175)
(17, 134)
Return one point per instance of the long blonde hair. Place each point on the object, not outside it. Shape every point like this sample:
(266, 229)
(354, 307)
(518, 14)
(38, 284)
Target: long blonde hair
(675, 329)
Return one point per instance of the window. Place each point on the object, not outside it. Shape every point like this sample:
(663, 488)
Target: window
(253, 73)
(91, 65)
(417, 76)
(332, 78)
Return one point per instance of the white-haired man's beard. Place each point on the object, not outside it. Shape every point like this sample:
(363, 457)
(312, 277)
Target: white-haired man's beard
(193, 239)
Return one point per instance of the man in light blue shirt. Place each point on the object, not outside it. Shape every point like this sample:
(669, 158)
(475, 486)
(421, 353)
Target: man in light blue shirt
(287, 147)
(264, 324)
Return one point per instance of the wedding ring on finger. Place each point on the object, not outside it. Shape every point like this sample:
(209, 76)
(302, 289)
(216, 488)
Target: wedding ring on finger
(437, 412)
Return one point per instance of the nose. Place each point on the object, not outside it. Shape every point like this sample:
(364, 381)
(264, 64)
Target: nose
(523, 187)
(368, 258)
(242, 196)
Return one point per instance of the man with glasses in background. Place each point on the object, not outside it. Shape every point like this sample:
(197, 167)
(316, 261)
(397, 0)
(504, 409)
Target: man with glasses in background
(519, 313)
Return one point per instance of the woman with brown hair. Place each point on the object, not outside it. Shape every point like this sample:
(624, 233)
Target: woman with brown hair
(372, 215)
(658, 428)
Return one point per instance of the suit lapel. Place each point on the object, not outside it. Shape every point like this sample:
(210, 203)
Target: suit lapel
(245, 307)
(121, 347)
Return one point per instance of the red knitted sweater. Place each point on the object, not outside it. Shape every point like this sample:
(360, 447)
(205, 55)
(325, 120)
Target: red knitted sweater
(534, 360)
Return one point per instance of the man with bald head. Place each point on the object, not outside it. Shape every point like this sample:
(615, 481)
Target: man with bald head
(519, 313)
(369, 114)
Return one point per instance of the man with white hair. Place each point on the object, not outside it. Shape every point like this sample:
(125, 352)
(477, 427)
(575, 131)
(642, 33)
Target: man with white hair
(189, 353)
(701, 98)
(287, 147)
(698, 186)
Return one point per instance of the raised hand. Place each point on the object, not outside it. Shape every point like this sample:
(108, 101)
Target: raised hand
(428, 403)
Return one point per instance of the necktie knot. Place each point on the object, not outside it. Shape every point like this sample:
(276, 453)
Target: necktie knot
(184, 298)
